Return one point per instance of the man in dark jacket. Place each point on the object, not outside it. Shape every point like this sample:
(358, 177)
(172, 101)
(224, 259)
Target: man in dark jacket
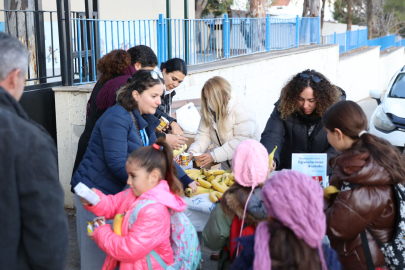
(34, 229)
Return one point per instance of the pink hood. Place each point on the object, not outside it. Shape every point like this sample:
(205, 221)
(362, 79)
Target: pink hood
(151, 230)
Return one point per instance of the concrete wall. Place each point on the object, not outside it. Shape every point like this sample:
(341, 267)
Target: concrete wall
(260, 81)
(391, 60)
(359, 72)
(71, 117)
(330, 27)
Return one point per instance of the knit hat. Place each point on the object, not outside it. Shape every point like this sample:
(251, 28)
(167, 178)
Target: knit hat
(250, 165)
(296, 200)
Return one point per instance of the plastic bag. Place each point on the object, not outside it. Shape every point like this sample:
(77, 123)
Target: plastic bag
(188, 118)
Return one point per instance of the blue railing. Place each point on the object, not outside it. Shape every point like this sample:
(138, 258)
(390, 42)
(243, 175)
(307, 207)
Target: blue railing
(356, 39)
(195, 41)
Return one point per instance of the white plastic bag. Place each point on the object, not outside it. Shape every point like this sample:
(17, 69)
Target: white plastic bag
(200, 203)
(198, 219)
(188, 118)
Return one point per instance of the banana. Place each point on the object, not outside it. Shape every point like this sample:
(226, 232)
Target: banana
(217, 186)
(204, 183)
(181, 150)
(216, 172)
(271, 157)
(329, 191)
(222, 183)
(226, 180)
(118, 223)
(210, 178)
(214, 196)
(230, 183)
(195, 177)
(231, 177)
(200, 190)
(192, 171)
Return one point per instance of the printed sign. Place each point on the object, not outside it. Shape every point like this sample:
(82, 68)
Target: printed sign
(314, 165)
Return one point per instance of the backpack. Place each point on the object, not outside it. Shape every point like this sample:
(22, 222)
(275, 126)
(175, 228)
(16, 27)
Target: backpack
(394, 249)
(183, 239)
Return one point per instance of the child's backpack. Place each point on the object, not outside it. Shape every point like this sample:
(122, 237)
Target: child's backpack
(183, 239)
(394, 250)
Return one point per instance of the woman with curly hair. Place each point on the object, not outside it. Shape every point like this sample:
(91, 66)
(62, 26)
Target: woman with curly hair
(295, 125)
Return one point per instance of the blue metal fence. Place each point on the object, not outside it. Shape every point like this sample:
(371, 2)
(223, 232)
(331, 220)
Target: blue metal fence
(356, 39)
(195, 41)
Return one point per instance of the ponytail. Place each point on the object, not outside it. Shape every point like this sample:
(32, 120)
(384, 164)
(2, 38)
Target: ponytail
(384, 153)
(159, 156)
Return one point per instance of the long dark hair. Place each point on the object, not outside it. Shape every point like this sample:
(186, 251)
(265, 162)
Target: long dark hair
(112, 64)
(289, 252)
(150, 158)
(325, 93)
(174, 64)
(140, 81)
(351, 120)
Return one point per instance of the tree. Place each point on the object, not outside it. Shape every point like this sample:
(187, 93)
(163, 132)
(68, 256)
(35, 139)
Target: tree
(15, 23)
(258, 8)
(369, 19)
(311, 8)
(199, 8)
(349, 12)
(217, 7)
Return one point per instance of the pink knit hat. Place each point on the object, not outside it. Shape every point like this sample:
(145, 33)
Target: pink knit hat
(250, 165)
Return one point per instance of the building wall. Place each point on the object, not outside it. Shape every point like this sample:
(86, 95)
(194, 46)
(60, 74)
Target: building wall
(359, 73)
(330, 27)
(390, 62)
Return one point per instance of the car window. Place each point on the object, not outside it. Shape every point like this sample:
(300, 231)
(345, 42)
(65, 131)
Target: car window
(398, 88)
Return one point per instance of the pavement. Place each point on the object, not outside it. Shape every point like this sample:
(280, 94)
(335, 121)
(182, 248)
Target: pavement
(368, 105)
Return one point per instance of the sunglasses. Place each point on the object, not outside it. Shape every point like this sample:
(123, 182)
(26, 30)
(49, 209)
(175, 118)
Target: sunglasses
(314, 78)
(154, 74)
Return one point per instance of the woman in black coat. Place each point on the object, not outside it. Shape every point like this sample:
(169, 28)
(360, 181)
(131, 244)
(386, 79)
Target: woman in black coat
(295, 125)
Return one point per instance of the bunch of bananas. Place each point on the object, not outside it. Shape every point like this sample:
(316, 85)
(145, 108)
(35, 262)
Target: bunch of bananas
(214, 182)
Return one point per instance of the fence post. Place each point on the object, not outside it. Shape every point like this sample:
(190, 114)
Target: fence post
(358, 38)
(297, 31)
(334, 38)
(347, 40)
(268, 33)
(226, 36)
(319, 29)
(160, 39)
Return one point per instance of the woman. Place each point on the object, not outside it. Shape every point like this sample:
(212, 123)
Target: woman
(295, 125)
(365, 207)
(120, 130)
(226, 121)
(174, 71)
(116, 67)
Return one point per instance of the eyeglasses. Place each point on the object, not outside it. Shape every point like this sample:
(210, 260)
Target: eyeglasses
(314, 78)
(154, 74)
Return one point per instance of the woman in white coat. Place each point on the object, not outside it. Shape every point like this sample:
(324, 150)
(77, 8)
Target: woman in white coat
(226, 121)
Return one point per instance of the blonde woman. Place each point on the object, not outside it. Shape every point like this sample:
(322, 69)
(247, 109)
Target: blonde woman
(226, 121)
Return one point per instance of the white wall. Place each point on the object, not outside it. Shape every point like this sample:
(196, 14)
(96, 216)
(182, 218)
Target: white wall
(260, 82)
(330, 27)
(390, 62)
(358, 73)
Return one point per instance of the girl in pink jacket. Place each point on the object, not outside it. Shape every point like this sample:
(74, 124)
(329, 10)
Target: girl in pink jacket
(146, 168)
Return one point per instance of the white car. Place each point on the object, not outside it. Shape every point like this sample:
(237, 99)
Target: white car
(388, 120)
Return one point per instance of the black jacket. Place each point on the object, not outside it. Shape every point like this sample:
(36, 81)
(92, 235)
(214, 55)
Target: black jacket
(291, 136)
(34, 228)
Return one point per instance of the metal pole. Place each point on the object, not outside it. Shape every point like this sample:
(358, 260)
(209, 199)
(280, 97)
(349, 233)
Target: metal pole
(297, 31)
(69, 45)
(169, 35)
(40, 37)
(185, 31)
(226, 36)
(268, 33)
(62, 42)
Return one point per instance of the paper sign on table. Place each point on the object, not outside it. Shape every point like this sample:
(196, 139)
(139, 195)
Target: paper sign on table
(314, 165)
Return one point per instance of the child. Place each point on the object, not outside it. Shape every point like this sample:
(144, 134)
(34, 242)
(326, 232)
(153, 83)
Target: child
(146, 167)
(364, 173)
(241, 205)
(292, 238)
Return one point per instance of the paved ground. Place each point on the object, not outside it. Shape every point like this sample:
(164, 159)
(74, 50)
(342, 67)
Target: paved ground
(368, 106)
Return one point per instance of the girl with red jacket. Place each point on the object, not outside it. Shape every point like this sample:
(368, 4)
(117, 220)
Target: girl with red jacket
(364, 173)
(146, 167)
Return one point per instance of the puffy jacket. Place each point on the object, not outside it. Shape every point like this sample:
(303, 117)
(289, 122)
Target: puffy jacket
(115, 137)
(217, 232)
(240, 125)
(369, 205)
(150, 231)
(291, 136)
